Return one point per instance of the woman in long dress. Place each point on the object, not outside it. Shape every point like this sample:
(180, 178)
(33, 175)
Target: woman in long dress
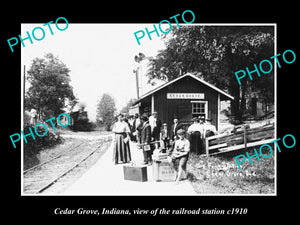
(121, 153)
(194, 132)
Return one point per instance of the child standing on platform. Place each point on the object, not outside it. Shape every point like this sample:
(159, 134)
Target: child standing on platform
(164, 138)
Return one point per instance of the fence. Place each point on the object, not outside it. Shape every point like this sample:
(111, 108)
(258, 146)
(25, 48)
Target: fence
(240, 137)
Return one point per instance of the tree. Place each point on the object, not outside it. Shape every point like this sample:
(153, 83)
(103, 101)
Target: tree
(106, 110)
(125, 109)
(50, 87)
(215, 53)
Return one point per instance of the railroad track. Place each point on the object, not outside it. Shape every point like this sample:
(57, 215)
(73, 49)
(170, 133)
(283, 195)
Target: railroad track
(39, 178)
(60, 155)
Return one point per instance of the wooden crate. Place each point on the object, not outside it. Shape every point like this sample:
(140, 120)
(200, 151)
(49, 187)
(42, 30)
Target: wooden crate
(162, 171)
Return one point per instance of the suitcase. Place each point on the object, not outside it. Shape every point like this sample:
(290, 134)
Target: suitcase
(135, 173)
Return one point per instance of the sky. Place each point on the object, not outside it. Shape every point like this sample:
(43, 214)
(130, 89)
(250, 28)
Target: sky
(100, 57)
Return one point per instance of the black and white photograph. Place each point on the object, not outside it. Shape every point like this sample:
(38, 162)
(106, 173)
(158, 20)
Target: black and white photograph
(134, 116)
(156, 114)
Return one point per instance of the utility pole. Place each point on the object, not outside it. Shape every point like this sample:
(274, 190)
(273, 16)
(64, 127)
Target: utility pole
(24, 92)
(137, 83)
(139, 58)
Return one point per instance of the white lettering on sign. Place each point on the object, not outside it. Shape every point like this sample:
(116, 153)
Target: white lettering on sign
(185, 95)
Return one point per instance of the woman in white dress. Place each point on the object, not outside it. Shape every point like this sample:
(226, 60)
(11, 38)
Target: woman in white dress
(121, 151)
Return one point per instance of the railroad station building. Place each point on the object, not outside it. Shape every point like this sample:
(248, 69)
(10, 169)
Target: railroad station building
(184, 97)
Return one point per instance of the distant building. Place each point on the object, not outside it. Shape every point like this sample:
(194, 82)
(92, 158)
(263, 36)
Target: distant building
(257, 108)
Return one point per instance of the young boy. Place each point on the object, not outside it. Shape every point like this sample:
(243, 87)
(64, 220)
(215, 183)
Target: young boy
(164, 138)
(180, 154)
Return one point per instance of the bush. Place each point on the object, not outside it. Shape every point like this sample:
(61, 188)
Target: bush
(32, 147)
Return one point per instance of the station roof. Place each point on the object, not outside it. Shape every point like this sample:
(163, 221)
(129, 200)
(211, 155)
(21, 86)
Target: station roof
(223, 94)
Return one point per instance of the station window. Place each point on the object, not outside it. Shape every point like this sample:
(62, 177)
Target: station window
(198, 109)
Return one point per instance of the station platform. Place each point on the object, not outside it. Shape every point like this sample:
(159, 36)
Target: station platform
(106, 179)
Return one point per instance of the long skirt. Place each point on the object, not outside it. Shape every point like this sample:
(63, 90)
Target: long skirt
(196, 142)
(121, 151)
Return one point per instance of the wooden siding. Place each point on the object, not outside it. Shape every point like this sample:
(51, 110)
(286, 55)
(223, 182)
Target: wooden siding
(168, 108)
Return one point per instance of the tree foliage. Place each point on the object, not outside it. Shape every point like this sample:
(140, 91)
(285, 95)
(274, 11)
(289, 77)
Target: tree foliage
(214, 53)
(50, 87)
(106, 110)
(125, 109)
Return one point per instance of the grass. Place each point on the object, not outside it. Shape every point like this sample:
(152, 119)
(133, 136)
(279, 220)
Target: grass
(34, 146)
(54, 142)
(221, 175)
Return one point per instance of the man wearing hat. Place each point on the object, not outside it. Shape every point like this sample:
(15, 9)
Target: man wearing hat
(180, 154)
(136, 123)
(174, 128)
(202, 125)
(145, 139)
(209, 129)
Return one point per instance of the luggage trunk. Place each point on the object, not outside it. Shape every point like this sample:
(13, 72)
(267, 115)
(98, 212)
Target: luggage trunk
(135, 173)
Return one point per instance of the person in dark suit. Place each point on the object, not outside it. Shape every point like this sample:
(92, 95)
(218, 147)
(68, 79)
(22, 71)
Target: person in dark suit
(135, 125)
(174, 128)
(173, 132)
(145, 139)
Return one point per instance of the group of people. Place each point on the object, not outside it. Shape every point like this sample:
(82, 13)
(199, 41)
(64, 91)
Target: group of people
(198, 131)
(142, 129)
(150, 133)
